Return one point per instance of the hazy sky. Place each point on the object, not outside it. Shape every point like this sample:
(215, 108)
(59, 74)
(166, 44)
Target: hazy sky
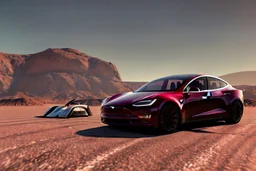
(145, 39)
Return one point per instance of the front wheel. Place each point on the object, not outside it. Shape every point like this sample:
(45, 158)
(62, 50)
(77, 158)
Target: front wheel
(169, 118)
(236, 112)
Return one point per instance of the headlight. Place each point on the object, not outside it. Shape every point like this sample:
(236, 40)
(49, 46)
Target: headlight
(144, 103)
(104, 101)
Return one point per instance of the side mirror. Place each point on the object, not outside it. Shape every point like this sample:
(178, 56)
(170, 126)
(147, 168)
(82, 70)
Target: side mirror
(185, 94)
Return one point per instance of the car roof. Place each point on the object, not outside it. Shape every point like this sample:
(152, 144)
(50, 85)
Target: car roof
(181, 76)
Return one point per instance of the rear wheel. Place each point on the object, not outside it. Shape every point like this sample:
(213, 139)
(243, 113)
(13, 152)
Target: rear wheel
(236, 112)
(169, 118)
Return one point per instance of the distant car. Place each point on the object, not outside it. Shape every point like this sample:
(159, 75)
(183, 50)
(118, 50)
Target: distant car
(73, 108)
(167, 102)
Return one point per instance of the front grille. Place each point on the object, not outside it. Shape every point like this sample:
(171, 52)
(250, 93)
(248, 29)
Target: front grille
(116, 110)
(125, 121)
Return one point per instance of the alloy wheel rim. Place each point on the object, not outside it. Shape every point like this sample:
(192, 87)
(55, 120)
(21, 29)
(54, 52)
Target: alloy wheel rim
(169, 119)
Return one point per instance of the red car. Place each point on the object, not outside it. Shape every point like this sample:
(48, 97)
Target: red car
(167, 102)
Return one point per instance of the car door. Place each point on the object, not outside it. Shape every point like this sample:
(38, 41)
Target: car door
(196, 100)
(218, 98)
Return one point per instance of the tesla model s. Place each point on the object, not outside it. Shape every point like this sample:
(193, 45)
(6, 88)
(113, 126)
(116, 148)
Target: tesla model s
(167, 102)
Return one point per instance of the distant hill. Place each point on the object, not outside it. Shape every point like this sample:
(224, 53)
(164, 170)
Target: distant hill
(241, 78)
(21, 99)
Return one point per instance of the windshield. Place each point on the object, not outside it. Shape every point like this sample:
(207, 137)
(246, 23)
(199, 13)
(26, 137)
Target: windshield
(163, 84)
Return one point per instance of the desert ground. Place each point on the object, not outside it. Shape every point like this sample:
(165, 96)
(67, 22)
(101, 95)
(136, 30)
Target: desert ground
(28, 142)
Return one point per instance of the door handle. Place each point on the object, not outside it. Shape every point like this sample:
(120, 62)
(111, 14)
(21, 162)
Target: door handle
(204, 97)
(207, 95)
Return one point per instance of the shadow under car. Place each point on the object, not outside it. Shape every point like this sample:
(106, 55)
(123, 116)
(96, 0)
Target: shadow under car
(142, 132)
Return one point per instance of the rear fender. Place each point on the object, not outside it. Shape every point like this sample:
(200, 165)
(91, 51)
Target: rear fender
(236, 95)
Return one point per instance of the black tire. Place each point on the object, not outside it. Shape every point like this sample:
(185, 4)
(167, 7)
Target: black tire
(169, 118)
(236, 112)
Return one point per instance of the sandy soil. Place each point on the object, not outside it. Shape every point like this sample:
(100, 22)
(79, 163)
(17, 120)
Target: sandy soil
(28, 142)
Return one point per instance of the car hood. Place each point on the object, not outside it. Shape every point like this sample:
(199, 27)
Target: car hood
(131, 97)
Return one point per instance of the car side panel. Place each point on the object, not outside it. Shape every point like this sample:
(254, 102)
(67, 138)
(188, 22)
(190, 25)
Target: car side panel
(194, 105)
(219, 102)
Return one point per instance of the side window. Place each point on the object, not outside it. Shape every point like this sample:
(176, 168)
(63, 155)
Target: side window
(173, 84)
(222, 84)
(213, 83)
(199, 84)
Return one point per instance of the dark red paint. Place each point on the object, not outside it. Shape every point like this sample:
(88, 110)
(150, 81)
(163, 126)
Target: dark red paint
(193, 106)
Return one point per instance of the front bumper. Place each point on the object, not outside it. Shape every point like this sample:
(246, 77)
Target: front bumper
(121, 116)
(127, 121)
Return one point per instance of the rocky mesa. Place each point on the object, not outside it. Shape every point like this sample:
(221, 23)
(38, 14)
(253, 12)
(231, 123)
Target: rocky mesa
(57, 74)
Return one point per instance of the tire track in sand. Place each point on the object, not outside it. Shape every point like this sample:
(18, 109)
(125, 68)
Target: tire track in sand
(204, 159)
